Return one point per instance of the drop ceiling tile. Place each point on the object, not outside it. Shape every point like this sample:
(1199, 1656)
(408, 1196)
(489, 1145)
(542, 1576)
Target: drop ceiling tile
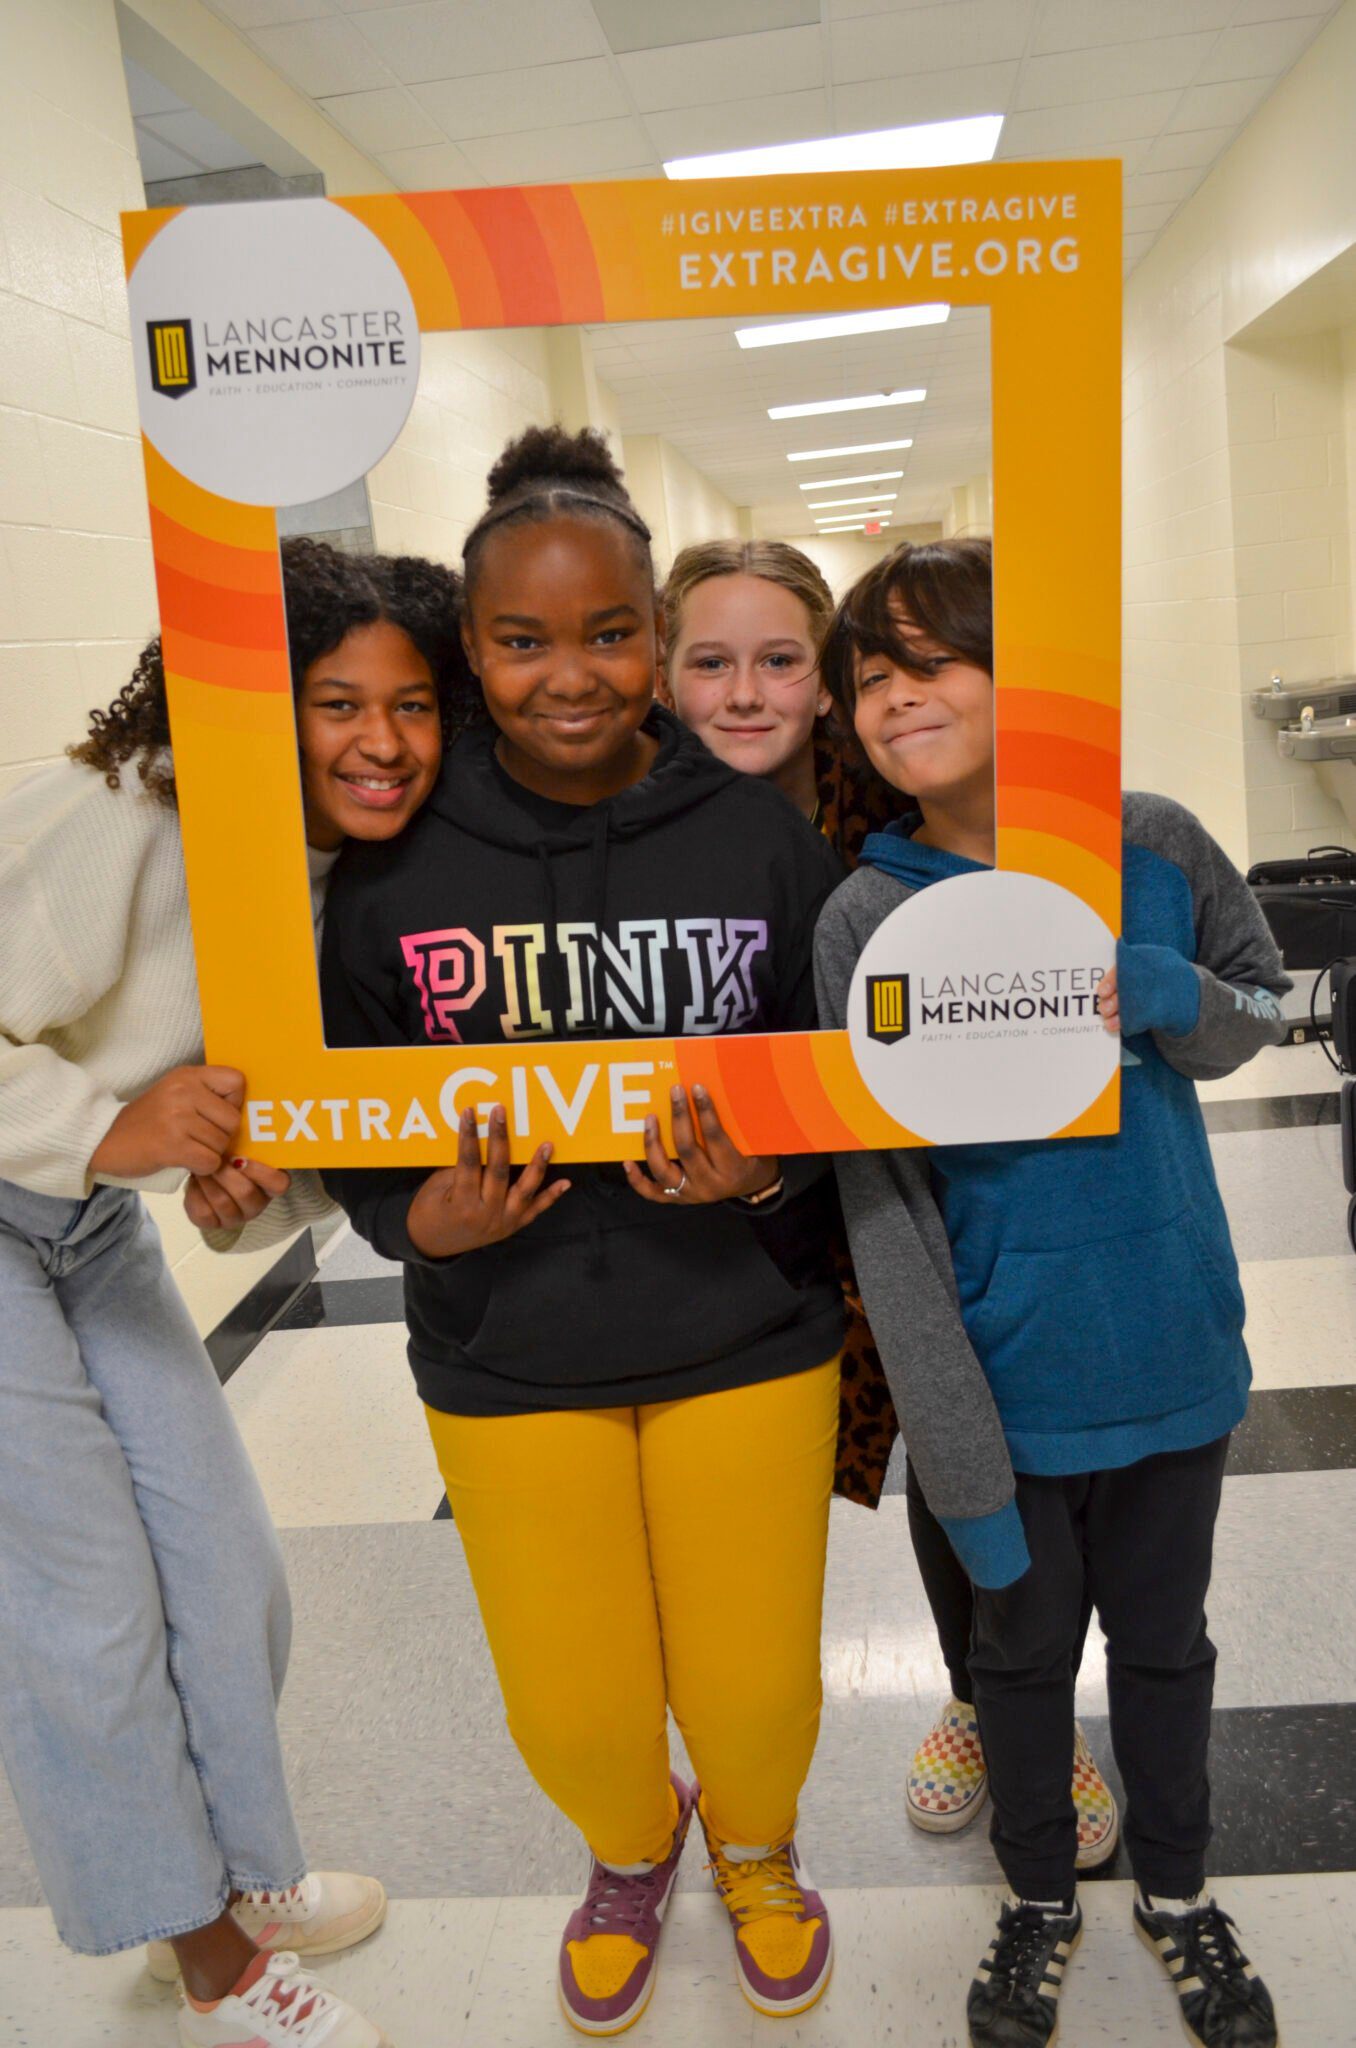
(1199, 146)
(1220, 106)
(1152, 188)
(1083, 24)
(458, 38)
(505, 102)
(1277, 10)
(1136, 248)
(385, 119)
(146, 95)
(158, 160)
(201, 139)
(933, 96)
(252, 14)
(439, 168)
(322, 57)
(1060, 130)
(1130, 154)
(689, 74)
(849, 10)
(929, 38)
(1112, 71)
(1265, 50)
(553, 155)
(651, 24)
(1152, 218)
(739, 124)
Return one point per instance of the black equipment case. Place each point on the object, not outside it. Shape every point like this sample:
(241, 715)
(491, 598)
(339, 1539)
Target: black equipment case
(1310, 905)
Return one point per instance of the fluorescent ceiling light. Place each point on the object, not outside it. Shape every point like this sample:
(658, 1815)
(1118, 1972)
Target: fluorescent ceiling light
(871, 498)
(852, 526)
(871, 400)
(924, 146)
(833, 483)
(774, 333)
(861, 448)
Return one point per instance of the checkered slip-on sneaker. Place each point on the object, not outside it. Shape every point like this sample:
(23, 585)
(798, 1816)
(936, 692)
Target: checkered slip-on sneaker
(1222, 2000)
(1014, 1999)
(948, 1778)
(1099, 1824)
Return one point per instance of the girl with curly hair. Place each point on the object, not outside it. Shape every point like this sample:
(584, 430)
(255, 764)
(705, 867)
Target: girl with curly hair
(144, 1618)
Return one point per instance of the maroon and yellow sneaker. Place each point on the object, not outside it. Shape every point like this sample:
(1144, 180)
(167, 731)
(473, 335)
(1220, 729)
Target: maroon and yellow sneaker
(782, 1939)
(609, 1951)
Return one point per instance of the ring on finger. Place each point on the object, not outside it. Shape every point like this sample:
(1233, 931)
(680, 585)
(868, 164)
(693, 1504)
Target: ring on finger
(675, 1192)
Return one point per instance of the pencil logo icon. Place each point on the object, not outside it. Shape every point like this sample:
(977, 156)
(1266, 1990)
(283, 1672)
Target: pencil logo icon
(887, 1007)
(173, 371)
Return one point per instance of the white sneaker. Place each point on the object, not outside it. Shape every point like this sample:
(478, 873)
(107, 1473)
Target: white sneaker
(328, 1911)
(283, 2008)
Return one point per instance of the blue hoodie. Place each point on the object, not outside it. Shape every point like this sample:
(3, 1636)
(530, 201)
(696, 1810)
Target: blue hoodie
(1094, 1278)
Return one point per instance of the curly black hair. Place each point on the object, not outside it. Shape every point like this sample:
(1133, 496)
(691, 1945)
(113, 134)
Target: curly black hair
(327, 594)
(545, 473)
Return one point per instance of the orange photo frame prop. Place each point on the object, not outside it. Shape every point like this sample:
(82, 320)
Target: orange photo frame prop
(1039, 245)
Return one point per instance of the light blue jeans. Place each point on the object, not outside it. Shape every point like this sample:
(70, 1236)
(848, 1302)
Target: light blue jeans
(144, 1615)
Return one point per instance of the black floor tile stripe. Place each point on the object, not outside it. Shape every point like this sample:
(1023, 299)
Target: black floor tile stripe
(1271, 1113)
(1286, 1429)
(1296, 1429)
(1283, 1796)
(341, 1302)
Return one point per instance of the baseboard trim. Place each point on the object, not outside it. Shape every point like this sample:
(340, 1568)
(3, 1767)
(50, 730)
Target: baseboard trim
(236, 1335)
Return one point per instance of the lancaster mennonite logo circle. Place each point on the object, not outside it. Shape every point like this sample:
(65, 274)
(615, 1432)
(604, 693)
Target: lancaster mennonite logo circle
(973, 1009)
(281, 351)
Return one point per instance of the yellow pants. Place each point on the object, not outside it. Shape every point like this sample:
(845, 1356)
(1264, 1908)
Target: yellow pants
(631, 1559)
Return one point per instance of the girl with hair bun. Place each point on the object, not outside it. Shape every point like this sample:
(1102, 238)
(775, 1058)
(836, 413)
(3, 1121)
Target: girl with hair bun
(630, 1374)
(144, 1615)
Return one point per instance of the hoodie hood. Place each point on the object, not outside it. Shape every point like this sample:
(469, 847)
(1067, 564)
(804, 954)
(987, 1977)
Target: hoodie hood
(477, 796)
(895, 851)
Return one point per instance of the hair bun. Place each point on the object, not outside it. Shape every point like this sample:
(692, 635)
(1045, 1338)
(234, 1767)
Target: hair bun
(550, 455)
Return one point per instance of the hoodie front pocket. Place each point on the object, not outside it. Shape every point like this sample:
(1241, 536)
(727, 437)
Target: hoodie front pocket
(670, 1291)
(1111, 1332)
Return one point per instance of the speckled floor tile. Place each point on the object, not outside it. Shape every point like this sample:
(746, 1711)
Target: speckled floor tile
(1283, 1192)
(1301, 1327)
(333, 1424)
(1278, 1070)
(351, 1257)
(480, 1973)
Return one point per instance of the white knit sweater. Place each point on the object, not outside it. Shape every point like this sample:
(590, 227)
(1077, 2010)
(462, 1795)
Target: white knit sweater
(98, 991)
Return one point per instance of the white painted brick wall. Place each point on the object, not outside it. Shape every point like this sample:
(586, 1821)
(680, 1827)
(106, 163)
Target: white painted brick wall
(77, 596)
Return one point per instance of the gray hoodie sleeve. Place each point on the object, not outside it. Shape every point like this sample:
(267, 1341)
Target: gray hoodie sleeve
(1210, 1015)
(899, 1246)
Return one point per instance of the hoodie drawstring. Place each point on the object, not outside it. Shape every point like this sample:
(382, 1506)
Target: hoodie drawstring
(557, 994)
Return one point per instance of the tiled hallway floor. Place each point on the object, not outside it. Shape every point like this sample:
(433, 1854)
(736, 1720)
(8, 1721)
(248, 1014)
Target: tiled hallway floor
(402, 1764)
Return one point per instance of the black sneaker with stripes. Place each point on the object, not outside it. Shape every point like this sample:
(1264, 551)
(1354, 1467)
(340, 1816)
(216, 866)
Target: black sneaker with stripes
(1014, 1999)
(1223, 2001)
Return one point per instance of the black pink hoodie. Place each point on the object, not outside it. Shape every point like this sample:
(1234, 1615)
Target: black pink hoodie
(686, 904)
